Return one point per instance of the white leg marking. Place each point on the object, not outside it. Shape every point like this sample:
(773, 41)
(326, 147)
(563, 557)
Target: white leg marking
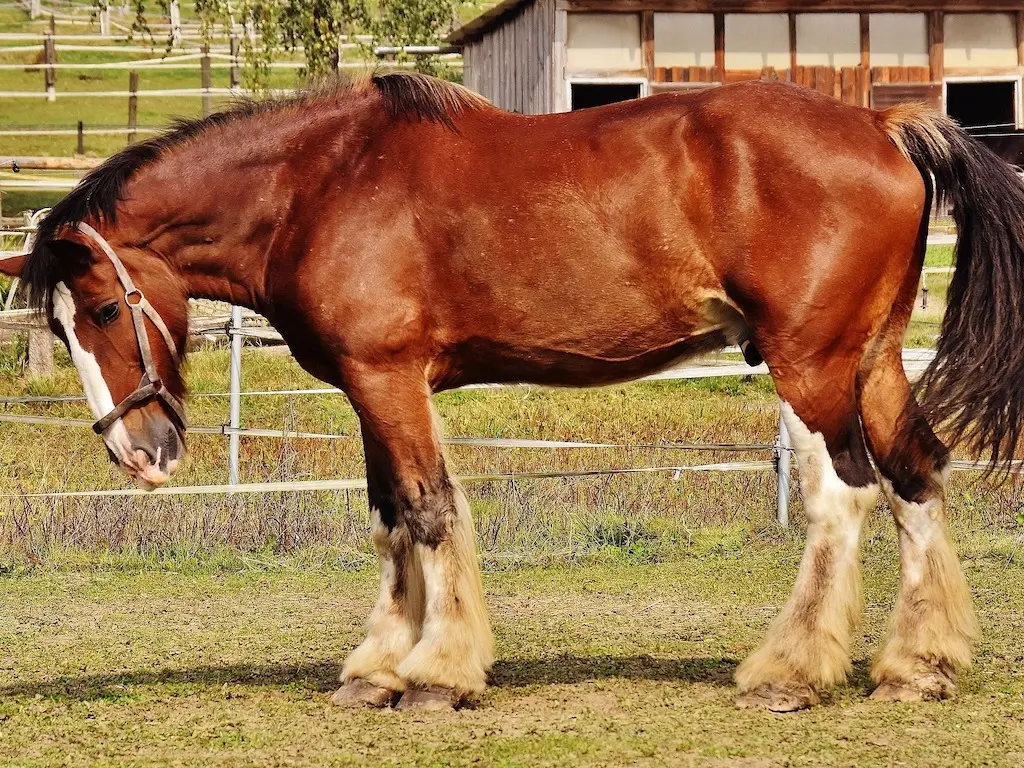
(394, 625)
(456, 648)
(97, 394)
(933, 625)
(808, 642)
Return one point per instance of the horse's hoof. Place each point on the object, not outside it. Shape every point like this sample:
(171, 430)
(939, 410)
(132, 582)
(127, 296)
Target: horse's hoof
(776, 698)
(362, 693)
(933, 686)
(431, 698)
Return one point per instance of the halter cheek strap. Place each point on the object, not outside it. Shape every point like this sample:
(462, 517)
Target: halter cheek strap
(150, 385)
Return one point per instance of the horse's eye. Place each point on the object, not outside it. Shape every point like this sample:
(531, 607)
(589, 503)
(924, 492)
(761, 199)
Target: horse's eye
(108, 313)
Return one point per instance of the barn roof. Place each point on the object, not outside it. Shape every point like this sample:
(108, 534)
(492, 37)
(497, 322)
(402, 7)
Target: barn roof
(475, 28)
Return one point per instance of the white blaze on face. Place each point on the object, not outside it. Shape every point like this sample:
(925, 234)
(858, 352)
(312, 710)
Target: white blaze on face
(97, 394)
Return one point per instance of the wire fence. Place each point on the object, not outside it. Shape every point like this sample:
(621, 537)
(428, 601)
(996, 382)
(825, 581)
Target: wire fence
(238, 324)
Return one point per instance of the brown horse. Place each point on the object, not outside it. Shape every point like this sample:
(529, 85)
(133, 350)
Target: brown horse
(406, 237)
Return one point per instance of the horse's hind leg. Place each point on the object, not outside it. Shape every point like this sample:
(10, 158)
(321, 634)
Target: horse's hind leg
(807, 646)
(432, 640)
(933, 624)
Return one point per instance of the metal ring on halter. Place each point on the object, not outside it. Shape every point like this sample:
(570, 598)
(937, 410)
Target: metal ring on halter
(132, 291)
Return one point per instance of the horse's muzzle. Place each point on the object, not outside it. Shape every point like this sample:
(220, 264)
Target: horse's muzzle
(156, 451)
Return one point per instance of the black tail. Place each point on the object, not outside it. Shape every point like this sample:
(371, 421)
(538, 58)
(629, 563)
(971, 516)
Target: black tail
(974, 389)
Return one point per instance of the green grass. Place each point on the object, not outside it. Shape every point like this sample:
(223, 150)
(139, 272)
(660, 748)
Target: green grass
(924, 323)
(939, 256)
(613, 664)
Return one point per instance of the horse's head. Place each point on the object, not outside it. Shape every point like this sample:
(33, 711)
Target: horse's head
(122, 313)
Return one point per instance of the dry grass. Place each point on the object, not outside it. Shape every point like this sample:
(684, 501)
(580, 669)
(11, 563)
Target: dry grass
(646, 516)
(541, 517)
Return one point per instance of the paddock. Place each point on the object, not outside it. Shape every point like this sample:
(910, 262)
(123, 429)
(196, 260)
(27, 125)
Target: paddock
(638, 533)
(210, 626)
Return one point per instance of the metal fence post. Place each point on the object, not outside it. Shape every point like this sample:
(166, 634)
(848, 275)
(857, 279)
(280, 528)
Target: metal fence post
(235, 393)
(782, 468)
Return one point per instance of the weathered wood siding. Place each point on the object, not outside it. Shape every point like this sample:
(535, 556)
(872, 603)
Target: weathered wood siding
(512, 64)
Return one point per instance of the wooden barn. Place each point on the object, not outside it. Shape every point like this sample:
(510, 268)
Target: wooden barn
(535, 56)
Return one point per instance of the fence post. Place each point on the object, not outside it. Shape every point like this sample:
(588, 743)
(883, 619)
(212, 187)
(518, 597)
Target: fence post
(49, 59)
(235, 393)
(80, 149)
(782, 466)
(204, 68)
(105, 20)
(133, 104)
(40, 340)
(236, 70)
(40, 352)
(175, 14)
(35, 9)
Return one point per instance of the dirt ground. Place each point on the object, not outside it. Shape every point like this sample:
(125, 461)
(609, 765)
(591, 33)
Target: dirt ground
(608, 664)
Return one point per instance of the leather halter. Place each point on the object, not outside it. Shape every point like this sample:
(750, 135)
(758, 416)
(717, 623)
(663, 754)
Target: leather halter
(150, 385)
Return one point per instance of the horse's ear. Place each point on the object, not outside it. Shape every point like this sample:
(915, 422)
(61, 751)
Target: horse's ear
(72, 249)
(13, 265)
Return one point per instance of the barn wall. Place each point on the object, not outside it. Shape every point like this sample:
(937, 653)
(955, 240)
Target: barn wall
(826, 40)
(684, 40)
(512, 64)
(603, 42)
(755, 41)
(899, 39)
(522, 62)
(980, 40)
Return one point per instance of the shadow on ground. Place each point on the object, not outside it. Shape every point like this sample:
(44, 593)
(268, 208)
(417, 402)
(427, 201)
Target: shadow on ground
(322, 676)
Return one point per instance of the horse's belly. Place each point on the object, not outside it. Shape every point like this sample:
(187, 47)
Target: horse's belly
(587, 351)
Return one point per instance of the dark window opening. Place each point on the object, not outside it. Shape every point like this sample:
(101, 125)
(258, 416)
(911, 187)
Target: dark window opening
(982, 107)
(586, 95)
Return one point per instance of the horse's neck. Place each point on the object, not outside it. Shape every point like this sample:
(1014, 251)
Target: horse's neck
(218, 236)
(224, 229)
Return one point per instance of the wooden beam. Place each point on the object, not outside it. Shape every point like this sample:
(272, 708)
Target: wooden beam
(720, 47)
(647, 43)
(936, 48)
(863, 81)
(792, 42)
(865, 40)
(560, 100)
(786, 6)
(1019, 18)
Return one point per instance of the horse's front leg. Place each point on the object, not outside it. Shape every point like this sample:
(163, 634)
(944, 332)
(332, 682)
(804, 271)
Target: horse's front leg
(429, 636)
(369, 677)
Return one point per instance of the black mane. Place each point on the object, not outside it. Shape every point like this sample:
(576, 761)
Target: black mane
(406, 96)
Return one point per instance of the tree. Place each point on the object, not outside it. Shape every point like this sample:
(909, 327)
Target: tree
(316, 27)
